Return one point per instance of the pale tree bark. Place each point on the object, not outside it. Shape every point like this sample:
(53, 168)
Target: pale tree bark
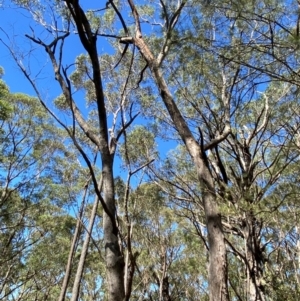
(84, 251)
(218, 290)
(130, 262)
(73, 247)
(297, 263)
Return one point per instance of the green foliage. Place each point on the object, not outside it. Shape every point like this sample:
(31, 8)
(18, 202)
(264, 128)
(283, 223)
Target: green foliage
(139, 147)
(61, 103)
(5, 102)
(39, 181)
(225, 63)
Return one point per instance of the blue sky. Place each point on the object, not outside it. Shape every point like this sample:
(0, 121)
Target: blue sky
(12, 20)
(15, 23)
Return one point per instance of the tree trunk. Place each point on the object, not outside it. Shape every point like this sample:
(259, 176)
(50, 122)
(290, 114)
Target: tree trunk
(217, 273)
(84, 251)
(73, 247)
(165, 289)
(113, 257)
(218, 289)
(255, 262)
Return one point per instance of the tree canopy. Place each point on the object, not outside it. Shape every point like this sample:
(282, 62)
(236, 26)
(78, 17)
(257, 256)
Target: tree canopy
(158, 157)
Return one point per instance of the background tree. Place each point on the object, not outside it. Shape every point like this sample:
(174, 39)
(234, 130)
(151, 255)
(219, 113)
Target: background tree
(36, 190)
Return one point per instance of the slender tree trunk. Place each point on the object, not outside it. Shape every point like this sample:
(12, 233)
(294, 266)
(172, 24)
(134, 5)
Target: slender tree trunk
(129, 265)
(73, 248)
(297, 264)
(163, 279)
(80, 267)
(114, 258)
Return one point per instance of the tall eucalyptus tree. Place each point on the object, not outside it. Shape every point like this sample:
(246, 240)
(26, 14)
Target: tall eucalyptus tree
(223, 71)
